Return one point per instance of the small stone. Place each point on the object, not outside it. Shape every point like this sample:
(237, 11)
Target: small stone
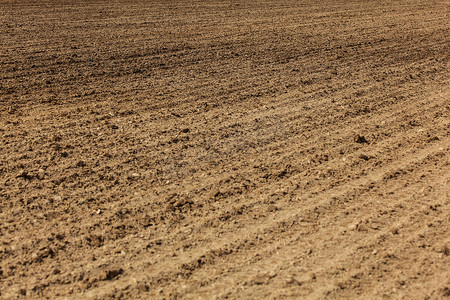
(142, 287)
(306, 277)
(41, 174)
(35, 257)
(292, 281)
(111, 274)
(445, 250)
(432, 139)
(394, 230)
(23, 174)
(364, 157)
(353, 226)
(80, 163)
(387, 254)
(215, 192)
(445, 291)
(362, 227)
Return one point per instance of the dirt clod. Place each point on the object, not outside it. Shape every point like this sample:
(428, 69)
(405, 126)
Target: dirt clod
(364, 157)
(360, 139)
(142, 287)
(113, 273)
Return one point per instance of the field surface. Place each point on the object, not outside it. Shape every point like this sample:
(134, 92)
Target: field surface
(225, 149)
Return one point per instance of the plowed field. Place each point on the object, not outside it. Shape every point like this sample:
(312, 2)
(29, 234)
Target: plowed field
(225, 149)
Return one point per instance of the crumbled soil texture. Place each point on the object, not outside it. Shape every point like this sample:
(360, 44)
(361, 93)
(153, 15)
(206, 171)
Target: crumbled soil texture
(224, 149)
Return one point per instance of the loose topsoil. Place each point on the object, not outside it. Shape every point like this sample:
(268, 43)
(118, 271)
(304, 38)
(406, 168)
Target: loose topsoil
(224, 149)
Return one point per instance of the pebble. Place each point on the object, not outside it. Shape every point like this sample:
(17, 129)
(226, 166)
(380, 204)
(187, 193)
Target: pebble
(353, 226)
(292, 281)
(364, 157)
(23, 174)
(41, 174)
(142, 287)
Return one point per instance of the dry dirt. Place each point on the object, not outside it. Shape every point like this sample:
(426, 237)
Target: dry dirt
(225, 149)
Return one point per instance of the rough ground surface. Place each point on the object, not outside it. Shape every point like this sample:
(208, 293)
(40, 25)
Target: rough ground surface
(240, 149)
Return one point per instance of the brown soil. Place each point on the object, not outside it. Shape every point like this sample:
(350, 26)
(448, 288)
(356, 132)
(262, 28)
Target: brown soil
(224, 149)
